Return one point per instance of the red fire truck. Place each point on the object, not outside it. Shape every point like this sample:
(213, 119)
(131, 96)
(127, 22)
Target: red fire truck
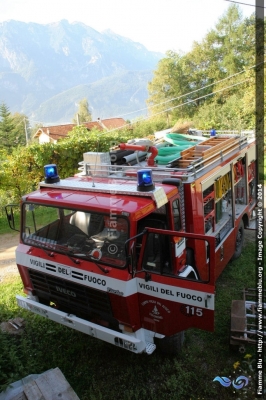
(130, 254)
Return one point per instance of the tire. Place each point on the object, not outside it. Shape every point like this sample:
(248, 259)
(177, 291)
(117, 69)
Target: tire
(171, 345)
(239, 241)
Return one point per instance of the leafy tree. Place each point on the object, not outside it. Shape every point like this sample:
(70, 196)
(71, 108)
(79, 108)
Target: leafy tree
(234, 42)
(230, 32)
(200, 67)
(169, 84)
(193, 86)
(14, 129)
(7, 129)
(83, 114)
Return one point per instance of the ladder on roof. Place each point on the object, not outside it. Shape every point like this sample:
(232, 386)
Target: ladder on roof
(209, 151)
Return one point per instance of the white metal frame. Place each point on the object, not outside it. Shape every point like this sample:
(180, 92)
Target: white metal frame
(135, 342)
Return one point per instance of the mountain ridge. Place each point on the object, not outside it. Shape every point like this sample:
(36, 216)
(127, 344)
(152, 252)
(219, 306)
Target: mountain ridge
(39, 62)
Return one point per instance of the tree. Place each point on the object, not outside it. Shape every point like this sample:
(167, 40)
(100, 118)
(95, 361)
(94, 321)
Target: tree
(229, 41)
(169, 84)
(197, 84)
(83, 114)
(14, 129)
(7, 129)
(235, 51)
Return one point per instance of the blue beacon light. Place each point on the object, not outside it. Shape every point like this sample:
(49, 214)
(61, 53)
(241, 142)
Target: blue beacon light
(145, 182)
(51, 174)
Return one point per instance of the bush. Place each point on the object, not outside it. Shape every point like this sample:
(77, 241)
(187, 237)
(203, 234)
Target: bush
(23, 169)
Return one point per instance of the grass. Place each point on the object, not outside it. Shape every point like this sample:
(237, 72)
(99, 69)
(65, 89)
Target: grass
(97, 370)
(4, 226)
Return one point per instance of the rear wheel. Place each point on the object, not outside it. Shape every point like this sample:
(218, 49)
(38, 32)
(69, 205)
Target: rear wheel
(171, 345)
(239, 241)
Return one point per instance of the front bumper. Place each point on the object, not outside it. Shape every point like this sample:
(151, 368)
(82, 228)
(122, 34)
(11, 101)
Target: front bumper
(132, 343)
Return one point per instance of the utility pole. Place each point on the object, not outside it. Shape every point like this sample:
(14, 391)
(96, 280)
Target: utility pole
(26, 133)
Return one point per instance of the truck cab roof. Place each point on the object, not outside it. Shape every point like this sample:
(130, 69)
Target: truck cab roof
(102, 195)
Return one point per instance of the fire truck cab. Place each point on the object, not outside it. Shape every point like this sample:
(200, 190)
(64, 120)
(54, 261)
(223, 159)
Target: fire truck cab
(130, 254)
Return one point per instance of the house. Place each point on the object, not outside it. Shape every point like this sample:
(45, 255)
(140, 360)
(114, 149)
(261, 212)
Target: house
(51, 134)
(112, 123)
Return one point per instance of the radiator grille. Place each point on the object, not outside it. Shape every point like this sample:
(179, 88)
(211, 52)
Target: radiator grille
(82, 301)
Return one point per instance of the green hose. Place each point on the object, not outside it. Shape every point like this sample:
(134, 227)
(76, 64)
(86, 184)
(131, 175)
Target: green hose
(171, 150)
(178, 139)
(169, 153)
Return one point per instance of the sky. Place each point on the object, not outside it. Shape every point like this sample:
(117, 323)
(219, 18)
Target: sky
(159, 25)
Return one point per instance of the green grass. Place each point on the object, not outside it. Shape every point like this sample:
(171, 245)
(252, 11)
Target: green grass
(97, 370)
(4, 227)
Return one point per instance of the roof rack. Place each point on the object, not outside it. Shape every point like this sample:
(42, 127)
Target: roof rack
(193, 162)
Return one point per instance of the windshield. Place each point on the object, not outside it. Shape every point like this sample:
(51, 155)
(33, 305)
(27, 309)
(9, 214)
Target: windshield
(93, 236)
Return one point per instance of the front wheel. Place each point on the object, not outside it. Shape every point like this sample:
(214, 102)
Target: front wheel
(239, 241)
(171, 345)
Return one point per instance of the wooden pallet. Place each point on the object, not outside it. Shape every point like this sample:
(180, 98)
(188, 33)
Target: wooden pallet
(50, 385)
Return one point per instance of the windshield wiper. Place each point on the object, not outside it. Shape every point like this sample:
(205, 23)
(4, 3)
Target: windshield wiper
(91, 258)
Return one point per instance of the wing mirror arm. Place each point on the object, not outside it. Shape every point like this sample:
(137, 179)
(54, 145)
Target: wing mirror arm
(131, 260)
(10, 216)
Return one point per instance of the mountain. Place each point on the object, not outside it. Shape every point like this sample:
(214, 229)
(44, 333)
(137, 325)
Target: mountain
(45, 70)
(117, 95)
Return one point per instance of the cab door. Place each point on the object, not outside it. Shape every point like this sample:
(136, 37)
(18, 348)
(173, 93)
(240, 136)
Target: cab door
(172, 300)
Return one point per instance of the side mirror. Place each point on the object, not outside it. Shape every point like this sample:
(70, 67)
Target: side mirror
(131, 259)
(10, 216)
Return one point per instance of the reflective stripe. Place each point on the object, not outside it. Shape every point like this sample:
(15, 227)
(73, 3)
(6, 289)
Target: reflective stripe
(122, 288)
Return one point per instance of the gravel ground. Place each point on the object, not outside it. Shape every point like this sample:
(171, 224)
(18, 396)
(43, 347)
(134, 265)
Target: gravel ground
(8, 244)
